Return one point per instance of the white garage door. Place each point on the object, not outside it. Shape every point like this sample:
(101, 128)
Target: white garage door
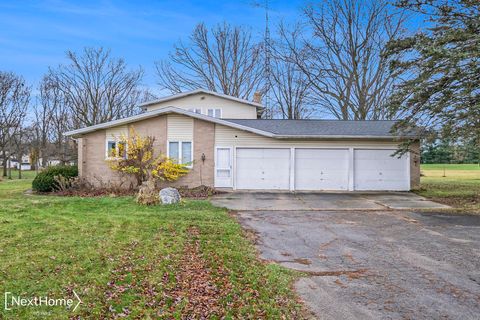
(378, 170)
(321, 169)
(263, 168)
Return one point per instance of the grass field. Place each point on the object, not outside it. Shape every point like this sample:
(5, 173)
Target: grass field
(29, 174)
(457, 185)
(190, 260)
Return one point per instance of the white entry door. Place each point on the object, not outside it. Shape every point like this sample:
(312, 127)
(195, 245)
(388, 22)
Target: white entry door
(321, 169)
(263, 168)
(377, 170)
(223, 167)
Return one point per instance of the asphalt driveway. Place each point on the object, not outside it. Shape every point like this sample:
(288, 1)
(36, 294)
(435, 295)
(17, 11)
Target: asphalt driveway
(323, 201)
(375, 263)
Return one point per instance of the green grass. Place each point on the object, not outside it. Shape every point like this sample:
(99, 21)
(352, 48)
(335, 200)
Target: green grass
(147, 262)
(27, 174)
(448, 166)
(458, 185)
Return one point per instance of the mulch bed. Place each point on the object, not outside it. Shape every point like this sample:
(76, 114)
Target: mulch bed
(200, 192)
(92, 193)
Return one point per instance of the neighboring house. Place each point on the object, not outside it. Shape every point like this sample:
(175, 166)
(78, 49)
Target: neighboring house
(231, 148)
(14, 163)
(55, 162)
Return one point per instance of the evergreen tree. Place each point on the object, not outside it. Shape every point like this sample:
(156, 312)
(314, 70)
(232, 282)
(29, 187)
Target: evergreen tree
(441, 66)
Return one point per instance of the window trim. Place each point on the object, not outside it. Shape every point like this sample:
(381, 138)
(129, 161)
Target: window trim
(180, 150)
(117, 142)
(194, 110)
(107, 149)
(213, 112)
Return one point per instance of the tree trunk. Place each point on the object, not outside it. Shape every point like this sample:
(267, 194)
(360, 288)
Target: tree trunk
(4, 163)
(9, 169)
(4, 167)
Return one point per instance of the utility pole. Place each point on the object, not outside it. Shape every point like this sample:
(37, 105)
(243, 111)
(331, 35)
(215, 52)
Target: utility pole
(267, 59)
(268, 53)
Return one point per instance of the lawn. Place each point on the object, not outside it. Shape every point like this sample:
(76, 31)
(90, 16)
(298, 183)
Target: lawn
(26, 174)
(124, 260)
(457, 185)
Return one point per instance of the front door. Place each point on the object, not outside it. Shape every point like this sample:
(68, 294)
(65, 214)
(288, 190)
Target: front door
(223, 167)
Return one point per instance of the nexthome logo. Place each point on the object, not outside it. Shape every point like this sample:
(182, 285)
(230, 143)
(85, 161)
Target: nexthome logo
(13, 301)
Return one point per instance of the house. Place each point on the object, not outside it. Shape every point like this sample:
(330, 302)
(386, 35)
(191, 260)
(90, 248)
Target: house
(231, 148)
(14, 162)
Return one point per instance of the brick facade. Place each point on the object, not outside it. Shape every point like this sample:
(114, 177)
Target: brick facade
(91, 153)
(415, 165)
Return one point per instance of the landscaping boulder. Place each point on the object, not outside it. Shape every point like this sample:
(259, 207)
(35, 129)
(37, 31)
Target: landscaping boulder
(169, 195)
(147, 193)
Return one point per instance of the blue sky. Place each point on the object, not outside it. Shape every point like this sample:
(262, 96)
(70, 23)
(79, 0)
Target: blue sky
(35, 34)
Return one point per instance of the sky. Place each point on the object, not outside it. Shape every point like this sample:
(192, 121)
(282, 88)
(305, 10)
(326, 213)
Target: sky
(36, 34)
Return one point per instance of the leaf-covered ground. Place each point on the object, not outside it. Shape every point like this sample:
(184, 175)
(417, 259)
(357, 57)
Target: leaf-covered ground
(127, 261)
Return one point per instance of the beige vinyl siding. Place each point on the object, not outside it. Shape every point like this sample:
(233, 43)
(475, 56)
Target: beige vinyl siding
(116, 132)
(230, 109)
(231, 137)
(179, 128)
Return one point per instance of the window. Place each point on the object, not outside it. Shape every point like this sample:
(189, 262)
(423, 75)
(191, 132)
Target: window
(195, 110)
(111, 149)
(186, 152)
(216, 113)
(181, 151)
(173, 150)
(122, 150)
(116, 149)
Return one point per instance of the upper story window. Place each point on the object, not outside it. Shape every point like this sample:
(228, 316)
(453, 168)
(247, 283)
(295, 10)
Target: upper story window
(216, 113)
(195, 110)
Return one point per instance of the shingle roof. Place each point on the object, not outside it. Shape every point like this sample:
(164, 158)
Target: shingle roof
(279, 129)
(334, 128)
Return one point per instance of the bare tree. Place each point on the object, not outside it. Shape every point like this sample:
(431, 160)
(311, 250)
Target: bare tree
(224, 59)
(20, 145)
(47, 101)
(63, 147)
(60, 119)
(96, 87)
(14, 99)
(289, 86)
(343, 56)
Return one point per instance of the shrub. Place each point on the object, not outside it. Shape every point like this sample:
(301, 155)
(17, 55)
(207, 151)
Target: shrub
(45, 180)
(81, 187)
(136, 158)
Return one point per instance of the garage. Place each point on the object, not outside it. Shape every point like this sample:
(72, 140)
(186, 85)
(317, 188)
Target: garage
(321, 169)
(376, 169)
(263, 168)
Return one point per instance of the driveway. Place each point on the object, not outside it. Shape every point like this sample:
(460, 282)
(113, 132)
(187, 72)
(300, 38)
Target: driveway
(375, 264)
(323, 201)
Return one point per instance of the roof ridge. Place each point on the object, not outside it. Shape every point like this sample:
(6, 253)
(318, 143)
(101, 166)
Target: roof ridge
(333, 120)
(196, 91)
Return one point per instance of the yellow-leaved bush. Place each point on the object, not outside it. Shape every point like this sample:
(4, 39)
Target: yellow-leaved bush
(135, 156)
(169, 170)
